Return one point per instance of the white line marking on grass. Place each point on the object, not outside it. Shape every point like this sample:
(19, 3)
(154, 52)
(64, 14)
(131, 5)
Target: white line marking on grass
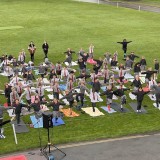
(11, 27)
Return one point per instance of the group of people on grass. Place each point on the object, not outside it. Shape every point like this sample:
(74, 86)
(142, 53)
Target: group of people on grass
(79, 82)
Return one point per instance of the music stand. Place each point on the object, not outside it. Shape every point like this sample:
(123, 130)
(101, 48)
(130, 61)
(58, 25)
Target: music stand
(46, 151)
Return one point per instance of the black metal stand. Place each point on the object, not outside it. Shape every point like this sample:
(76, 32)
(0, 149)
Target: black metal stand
(47, 152)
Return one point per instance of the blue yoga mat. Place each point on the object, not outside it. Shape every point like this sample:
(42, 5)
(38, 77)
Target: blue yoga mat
(59, 122)
(106, 109)
(62, 87)
(103, 88)
(37, 123)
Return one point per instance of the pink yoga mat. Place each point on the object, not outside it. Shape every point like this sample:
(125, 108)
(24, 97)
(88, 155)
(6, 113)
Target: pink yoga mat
(91, 61)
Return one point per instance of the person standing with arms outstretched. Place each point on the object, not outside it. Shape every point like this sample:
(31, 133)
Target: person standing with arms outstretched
(45, 48)
(32, 49)
(124, 46)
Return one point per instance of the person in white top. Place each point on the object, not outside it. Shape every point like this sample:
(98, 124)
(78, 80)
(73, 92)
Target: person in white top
(94, 97)
(64, 73)
(91, 47)
(15, 80)
(152, 82)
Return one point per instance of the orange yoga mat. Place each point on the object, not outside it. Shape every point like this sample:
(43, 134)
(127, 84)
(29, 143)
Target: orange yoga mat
(19, 157)
(67, 113)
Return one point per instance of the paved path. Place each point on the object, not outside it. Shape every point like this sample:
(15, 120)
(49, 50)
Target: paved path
(128, 148)
(126, 5)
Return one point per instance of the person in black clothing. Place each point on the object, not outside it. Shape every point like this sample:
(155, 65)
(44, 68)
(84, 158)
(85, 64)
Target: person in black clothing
(70, 99)
(143, 63)
(124, 46)
(109, 94)
(45, 48)
(32, 49)
(84, 56)
(140, 95)
(69, 53)
(96, 68)
(52, 73)
(83, 75)
(82, 65)
(37, 109)
(132, 56)
(7, 92)
(113, 62)
(99, 62)
(96, 85)
(120, 92)
(137, 68)
(148, 73)
(30, 76)
(136, 83)
(18, 107)
(56, 108)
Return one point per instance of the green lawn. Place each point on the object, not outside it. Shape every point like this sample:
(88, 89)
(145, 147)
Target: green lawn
(73, 24)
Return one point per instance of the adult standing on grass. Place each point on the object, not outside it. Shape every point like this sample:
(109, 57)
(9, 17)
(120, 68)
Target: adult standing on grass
(45, 48)
(18, 107)
(32, 49)
(124, 46)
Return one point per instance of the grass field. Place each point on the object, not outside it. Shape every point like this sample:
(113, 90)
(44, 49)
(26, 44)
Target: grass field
(73, 24)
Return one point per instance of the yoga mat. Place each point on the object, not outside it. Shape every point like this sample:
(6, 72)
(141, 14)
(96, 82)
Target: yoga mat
(91, 61)
(50, 96)
(45, 80)
(134, 107)
(49, 89)
(72, 63)
(132, 96)
(19, 157)
(62, 87)
(106, 109)
(67, 113)
(114, 97)
(152, 97)
(64, 100)
(58, 123)
(142, 79)
(117, 107)
(103, 88)
(89, 110)
(3, 74)
(37, 123)
(5, 104)
(146, 89)
(128, 76)
(116, 76)
(22, 128)
(122, 87)
(10, 112)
